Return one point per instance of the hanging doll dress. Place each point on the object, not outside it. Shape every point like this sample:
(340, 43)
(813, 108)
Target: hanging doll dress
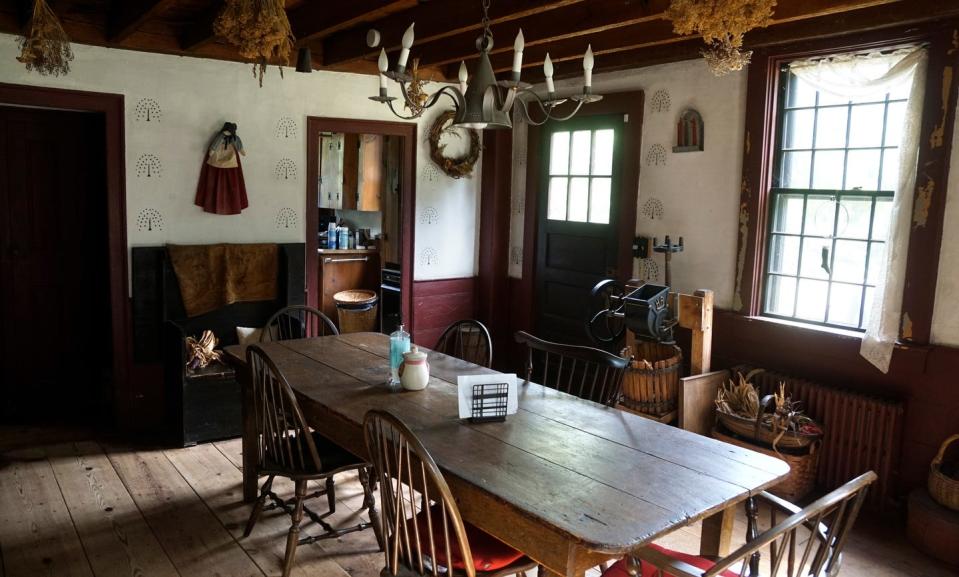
(221, 189)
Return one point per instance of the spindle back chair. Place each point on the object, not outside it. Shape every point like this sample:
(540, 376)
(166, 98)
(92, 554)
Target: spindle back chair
(468, 340)
(297, 322)
(585, 372)
(287, 447)
(828, 521)
(422, 529)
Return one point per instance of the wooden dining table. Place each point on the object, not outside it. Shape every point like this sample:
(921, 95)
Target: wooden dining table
(569, 482)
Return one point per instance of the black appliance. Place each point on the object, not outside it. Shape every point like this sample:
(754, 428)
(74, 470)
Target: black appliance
(391, 305)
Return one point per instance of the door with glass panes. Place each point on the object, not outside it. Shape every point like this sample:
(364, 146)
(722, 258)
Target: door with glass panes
(576, 223)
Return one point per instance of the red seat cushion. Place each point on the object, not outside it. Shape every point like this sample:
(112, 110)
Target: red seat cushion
(489, 553)
(649, 570)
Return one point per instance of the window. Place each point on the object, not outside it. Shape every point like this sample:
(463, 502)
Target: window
(836, 166)
(580, 176)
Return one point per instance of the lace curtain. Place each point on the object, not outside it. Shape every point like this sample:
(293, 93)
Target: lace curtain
(861, 75)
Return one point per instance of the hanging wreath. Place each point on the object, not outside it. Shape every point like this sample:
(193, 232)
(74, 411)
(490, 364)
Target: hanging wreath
(454, 167)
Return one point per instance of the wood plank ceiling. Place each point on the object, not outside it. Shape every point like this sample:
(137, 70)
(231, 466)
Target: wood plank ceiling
(623, 33)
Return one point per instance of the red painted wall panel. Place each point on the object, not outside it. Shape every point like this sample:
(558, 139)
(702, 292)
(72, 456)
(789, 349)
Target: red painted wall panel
(438, 303)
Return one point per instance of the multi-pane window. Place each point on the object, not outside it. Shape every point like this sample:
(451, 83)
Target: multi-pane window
(836, 170)
(580, 175)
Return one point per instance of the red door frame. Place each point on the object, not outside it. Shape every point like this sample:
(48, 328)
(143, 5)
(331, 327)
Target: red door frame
(125, 395)
(315, 125)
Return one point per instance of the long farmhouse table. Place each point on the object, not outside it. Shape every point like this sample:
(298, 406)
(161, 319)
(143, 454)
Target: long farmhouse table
(569, 482)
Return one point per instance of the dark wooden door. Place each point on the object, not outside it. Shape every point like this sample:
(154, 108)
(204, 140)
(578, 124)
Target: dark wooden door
(577, 224)
(54, 272)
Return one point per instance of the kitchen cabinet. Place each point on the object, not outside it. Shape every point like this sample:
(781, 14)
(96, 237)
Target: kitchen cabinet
(331, 171)
(342, 270)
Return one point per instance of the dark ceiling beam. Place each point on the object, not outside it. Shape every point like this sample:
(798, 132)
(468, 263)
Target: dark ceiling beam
(319, 19)
(434, 20)
(571, 21)
(794, 30)
(126, 16)
(200, 33)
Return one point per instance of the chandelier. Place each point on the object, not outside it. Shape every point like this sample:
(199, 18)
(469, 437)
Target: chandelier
(482, 101)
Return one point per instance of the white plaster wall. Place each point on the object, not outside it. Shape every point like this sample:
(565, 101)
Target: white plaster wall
(945, 318)
(197, 95)
(698, 191)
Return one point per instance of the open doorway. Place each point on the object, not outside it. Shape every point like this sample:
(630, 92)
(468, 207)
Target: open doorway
(360, 195)
(57, 350)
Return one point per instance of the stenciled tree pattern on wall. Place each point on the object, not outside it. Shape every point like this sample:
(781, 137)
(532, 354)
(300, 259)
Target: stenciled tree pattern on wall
(429, 257)
(660, 101)
(149, 166)
(285, 128)
(149, 219)
(148, 110)
(429, 215)
(286, 218)
(285, 169)
(653, 209)
(656, 155)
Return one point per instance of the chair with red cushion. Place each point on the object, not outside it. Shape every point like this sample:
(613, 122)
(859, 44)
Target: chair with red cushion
(421, 525)
(828, 521)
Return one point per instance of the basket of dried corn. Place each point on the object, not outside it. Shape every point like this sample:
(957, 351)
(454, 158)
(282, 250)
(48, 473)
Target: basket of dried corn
(741, 411)
(944, 477)
(651, 384)
(803, 465)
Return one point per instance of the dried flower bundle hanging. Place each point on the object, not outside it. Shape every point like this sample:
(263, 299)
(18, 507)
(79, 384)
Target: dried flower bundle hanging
(261, 31)
(417, 95)
(722, 24)
(45, 47)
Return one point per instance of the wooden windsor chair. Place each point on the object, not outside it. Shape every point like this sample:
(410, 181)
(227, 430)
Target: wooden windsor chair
(468, 340)
(422, 529)
(286, 447)
(585, 372)
(297, 322)
(828, 521)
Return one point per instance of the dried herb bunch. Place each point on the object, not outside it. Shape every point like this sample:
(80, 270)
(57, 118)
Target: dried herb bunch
(722, 24)
(201, 352)
(45, 48)
(261, 31)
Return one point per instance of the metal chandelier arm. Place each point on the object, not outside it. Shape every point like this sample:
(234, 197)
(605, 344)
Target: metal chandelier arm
(546, 108)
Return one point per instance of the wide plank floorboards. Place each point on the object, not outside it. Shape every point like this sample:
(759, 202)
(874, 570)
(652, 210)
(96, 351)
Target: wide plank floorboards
(93, 510)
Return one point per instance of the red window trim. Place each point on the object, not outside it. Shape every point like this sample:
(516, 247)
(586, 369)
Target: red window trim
(938, 120)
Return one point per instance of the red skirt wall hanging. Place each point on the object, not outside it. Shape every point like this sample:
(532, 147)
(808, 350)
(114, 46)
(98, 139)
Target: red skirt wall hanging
(221, 189)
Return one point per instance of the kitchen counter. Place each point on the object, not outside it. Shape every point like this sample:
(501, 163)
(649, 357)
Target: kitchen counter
(335, 251)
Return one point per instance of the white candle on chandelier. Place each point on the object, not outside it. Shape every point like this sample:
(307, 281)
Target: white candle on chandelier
(588, 67)
(518, 52)
(407, 44)
(463, 75)
(548, 71)
(384, 65)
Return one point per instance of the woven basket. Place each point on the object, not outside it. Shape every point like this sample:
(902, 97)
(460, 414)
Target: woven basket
(942, 488)
(653, 391)
(802, 467)
(356, 310)
(746, 428)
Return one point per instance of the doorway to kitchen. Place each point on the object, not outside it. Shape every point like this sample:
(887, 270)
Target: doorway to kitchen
(360, 201)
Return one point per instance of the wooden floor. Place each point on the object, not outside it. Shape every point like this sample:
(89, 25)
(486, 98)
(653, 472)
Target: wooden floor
(91, 509)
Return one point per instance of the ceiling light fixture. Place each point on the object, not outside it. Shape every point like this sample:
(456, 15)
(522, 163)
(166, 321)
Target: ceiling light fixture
(483, 101)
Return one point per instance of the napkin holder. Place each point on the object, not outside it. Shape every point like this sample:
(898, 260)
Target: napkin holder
(486, 398)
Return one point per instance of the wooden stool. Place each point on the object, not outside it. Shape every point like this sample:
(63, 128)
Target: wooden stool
(932, 528)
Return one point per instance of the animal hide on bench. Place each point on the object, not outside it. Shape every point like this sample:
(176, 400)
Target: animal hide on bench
(215, 275)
